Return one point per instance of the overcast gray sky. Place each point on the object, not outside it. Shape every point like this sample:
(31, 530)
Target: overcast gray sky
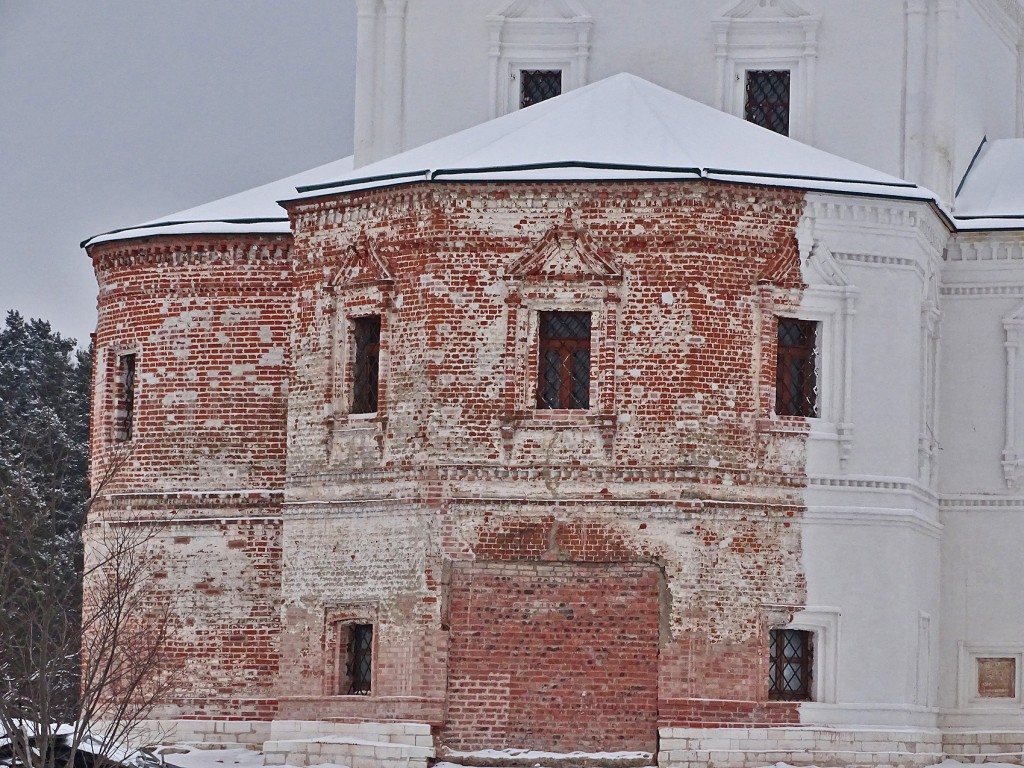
(113, 112)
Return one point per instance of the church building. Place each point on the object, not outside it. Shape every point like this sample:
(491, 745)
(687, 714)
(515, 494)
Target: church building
(648, 383)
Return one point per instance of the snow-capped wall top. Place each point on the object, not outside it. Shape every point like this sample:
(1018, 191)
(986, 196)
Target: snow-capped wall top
(992, 194)
(252, 211)
(622, 127)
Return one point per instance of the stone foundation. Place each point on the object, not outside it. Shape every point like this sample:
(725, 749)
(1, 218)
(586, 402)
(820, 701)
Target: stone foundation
(984, 746)
(747, 747)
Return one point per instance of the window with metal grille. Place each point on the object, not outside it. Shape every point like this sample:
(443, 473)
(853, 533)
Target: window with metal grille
(537, 85)
(563, 373)
(790, 665)
(366, 363)
(796, 377)
(124, 406)
(767, 99)
(359, 667)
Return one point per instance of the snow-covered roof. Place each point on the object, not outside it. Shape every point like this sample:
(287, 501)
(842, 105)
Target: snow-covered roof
(622, 127)
(253, 211)
(992, 193)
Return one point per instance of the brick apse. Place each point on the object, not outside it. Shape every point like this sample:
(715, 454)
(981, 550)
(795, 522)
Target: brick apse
(571, 573)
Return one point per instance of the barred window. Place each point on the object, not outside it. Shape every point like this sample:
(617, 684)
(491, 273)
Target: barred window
(124, 398)
(563, 375)
(537, 85)
(796, 377)
(766, 100)
(790, 664)
(359, 660)
(366, 363)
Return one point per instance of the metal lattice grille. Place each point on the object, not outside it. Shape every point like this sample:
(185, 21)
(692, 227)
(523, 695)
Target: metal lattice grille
(790, 665)
(360, 666)
(537, 85)
(125, 408)
(366, 366)
(563, 375)
(767, 99)
(796, 377)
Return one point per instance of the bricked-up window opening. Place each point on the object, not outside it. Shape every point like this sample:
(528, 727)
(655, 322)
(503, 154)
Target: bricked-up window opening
(537, 85)
(366, 365)
(124, 408)
(790, 666)
(359, 667)
(563, 376)
(796, 377)
(767, 99)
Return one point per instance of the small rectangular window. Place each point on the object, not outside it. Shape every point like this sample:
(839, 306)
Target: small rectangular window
(537, 85)
(766, 100)
(365, 364)
(359, 660)
(124, 398)
(790, 664)
(563, 375)
(796, 377)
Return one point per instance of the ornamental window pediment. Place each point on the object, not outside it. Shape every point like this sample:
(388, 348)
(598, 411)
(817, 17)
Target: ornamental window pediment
(362, 265)
(566, 253)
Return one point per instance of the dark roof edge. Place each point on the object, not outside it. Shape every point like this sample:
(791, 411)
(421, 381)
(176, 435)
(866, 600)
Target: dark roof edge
(156, 225)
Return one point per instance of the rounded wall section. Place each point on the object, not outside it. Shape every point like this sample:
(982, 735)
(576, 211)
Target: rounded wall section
(188, 457)
(201, 327)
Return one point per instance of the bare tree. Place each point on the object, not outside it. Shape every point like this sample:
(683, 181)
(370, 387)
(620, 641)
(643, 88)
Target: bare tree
(80, 666)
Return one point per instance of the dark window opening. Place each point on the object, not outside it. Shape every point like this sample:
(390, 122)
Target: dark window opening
(791, 660)
(767, 99)
(537, 85)
(124, 409)
(563, 375)
(359, 664)
(796, 378)
(366, 363)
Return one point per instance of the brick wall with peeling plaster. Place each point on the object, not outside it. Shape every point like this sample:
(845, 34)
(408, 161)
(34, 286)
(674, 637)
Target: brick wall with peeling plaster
(397, 517)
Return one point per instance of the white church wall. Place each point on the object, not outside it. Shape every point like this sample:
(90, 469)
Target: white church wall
(983, 287)
(844, 98)
(986, 77)
(878, 568)
(983, 610)
(871, 541)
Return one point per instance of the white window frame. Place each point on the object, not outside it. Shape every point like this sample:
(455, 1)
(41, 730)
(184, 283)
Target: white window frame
(559, 40)
(822, 622)
(785, 39)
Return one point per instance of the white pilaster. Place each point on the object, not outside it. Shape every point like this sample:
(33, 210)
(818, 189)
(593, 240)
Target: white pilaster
(366, 75)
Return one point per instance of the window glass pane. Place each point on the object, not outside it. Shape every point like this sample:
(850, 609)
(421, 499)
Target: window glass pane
(767, 99)
(790, 665)
(796, 380)
(124, 407)
(563, 375)
(366, 363)
(361, 658)
(537, 85)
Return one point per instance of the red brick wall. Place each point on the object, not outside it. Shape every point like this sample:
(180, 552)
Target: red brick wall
(556, 656)
(208, 322)
(678, 460)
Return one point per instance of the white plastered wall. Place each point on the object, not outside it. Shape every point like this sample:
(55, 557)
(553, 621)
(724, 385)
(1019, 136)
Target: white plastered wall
(871, 538)
(981, 475)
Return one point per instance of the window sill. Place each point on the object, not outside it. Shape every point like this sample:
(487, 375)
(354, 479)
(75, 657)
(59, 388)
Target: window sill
(555, 418)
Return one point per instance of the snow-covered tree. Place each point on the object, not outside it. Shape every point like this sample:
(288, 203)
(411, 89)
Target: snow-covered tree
(44, 432)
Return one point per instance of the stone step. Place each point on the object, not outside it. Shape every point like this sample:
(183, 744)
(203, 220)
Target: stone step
(524, 758)
(352, 751)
